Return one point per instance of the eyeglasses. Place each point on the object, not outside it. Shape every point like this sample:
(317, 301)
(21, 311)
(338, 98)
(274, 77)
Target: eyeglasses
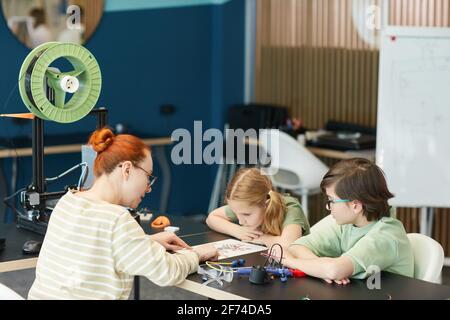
(329, 202)
(150, 178)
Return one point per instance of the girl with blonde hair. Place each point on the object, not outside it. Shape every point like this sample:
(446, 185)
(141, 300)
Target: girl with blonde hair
(256, 213)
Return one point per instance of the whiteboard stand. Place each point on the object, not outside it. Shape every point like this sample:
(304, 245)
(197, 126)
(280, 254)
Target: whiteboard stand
(447, 262)
(426, 221)
(426, 226)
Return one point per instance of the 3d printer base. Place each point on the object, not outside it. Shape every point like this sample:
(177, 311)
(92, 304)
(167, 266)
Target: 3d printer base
(35, 226)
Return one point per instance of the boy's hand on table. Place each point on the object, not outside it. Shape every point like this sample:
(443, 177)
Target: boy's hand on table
(287, 262)
(342, 281)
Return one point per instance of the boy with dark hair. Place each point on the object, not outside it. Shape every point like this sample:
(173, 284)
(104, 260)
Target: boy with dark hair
(363, 237)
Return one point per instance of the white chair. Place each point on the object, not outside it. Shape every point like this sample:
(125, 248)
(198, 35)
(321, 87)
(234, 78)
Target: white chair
(325, 223)
(428, 257)
(292, 166)
(9, 294)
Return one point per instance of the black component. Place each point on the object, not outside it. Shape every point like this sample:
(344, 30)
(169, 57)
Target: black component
(349, 127)
(257, 116)
(102, 116)
(344, 141)
(44, 199)
(34, 226)
(258, 275)
(137, 295)
(28, 78)
(3, 190)
(346, 136)
(167, 109)
(137, 290)
(245, 117)
(38, 156)
(2, 244)
(135, 214)
(70, 187)
(32, 247)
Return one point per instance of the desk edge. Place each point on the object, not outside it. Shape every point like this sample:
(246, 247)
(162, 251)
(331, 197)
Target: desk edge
(16, 265)
(209, 292)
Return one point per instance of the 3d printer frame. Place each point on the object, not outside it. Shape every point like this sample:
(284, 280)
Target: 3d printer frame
(35, 200)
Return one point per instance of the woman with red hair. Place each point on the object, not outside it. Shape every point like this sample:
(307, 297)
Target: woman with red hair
(93, 246)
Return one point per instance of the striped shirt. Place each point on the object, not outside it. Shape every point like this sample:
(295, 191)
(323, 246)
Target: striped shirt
(93, 249)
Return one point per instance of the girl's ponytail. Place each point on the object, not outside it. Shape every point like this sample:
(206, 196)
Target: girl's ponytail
(275, 214)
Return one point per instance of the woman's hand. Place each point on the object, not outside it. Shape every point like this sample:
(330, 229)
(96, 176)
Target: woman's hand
(206, 252)
(170, 241)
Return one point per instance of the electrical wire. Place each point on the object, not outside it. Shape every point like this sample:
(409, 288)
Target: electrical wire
(14, 209)
(13, 195)
(221, 268)
(271, 258)
(82, 164)
(84, 171)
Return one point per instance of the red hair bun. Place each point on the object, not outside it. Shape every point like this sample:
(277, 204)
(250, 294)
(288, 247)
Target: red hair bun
(101, 139)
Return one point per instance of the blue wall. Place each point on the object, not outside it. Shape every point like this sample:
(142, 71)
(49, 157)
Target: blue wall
(191, 57)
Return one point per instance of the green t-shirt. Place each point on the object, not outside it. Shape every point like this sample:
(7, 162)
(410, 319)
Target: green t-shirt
(382, 243)
(294, 214)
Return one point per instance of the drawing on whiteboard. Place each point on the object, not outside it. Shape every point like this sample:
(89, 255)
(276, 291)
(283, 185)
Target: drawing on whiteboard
(415, 93)
(413, 122)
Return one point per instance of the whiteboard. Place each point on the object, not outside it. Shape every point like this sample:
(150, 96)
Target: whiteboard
(413, 129)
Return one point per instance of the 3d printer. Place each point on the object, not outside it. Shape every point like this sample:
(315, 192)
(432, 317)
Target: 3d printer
(64, 97)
